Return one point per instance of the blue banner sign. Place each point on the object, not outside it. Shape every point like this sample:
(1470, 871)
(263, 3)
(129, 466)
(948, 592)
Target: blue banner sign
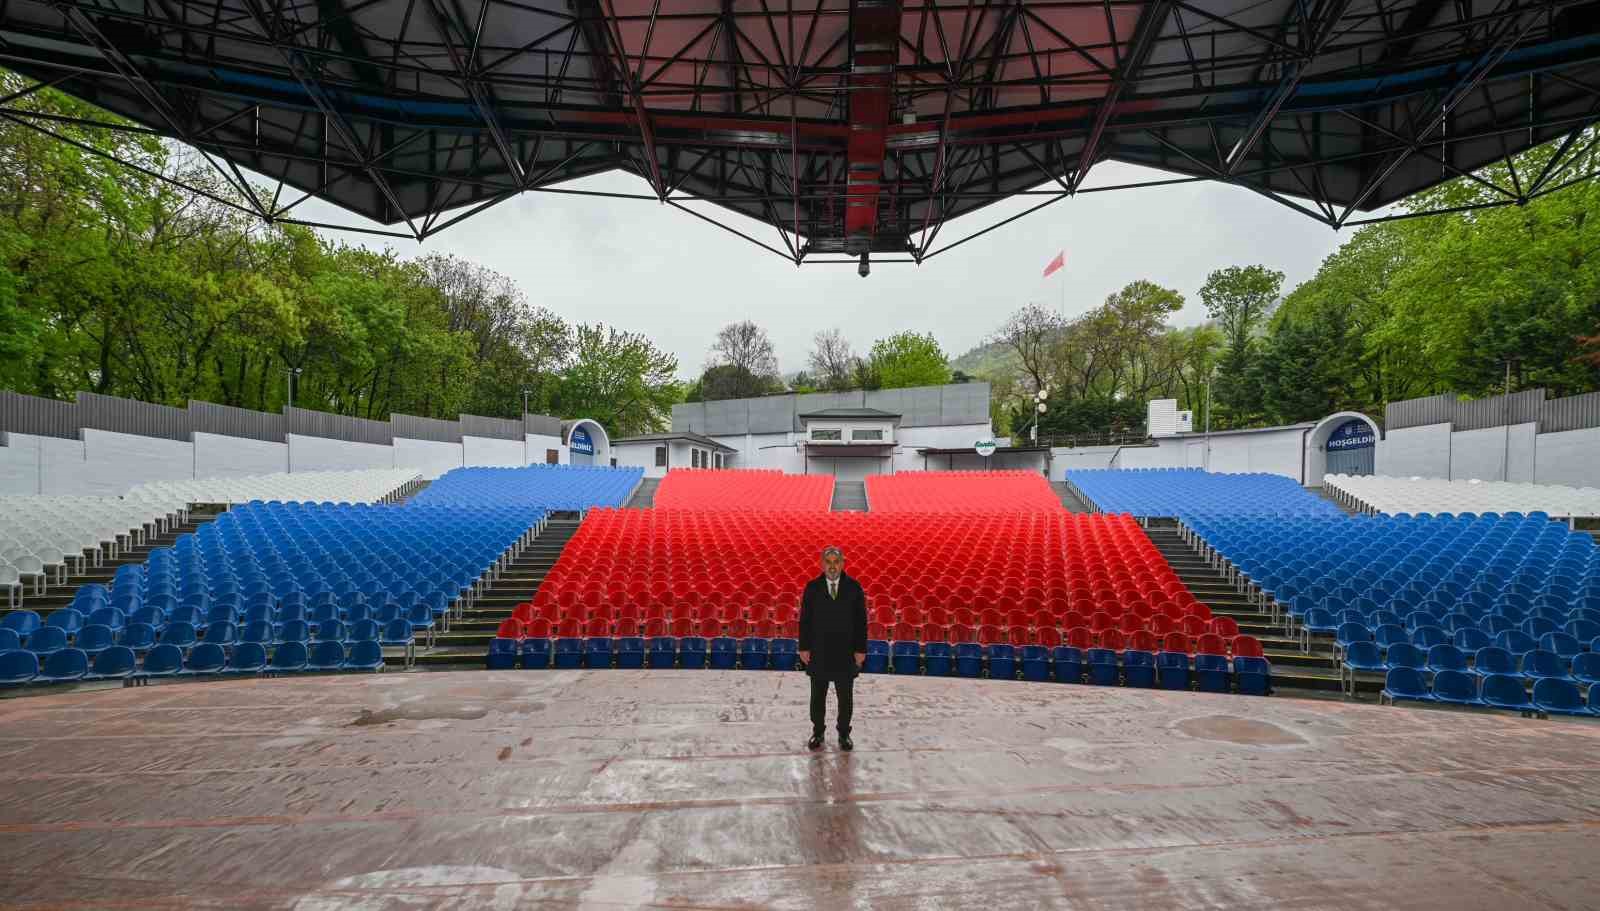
(1352, 434)
(581, 441)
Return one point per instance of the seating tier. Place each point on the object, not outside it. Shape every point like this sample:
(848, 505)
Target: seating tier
(1191, 491)
(742, 489)
(962, 492)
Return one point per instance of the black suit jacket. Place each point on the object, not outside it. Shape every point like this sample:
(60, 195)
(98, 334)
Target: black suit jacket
(833, 629)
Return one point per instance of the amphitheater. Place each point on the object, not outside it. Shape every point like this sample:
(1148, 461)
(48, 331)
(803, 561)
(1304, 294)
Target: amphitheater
(577, 686)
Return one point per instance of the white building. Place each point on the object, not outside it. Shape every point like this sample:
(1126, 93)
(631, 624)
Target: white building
(846, 434)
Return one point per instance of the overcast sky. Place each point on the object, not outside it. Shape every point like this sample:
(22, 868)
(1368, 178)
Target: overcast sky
(654, 269)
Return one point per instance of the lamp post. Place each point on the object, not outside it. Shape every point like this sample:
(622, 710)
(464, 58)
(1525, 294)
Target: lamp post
(1039, 410)
(294, 374)
(1209, 374)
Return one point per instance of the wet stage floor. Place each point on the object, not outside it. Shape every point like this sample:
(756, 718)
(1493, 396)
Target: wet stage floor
(620, 789)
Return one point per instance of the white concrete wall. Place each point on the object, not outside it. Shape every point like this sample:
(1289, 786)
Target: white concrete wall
(1415, 452)
(114, 462)
(1063, 459)
(1570, 457)
(318, 454)
(503, 453)
(218, 456)
(537, 446)
(638, 455)
(1481, 454)
(41, 465)
(1149, 457)
(429, 457)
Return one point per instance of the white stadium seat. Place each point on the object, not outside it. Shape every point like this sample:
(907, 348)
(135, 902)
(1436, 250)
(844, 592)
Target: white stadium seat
(1375, 493)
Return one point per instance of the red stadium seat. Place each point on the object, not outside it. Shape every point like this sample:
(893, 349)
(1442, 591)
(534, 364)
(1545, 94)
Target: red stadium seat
(510, 628)
(1175, 642)
(1246, 647)
(1048, 636)
(876, 630)
(1210, 644)
(1113, 639)
(962, 633)
(990, 633)
(1080, 637)
(1144, 641)
(1226, 627)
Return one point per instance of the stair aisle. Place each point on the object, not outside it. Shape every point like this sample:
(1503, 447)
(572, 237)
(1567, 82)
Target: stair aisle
(1292, 669)
(1069, 498)
(466, 644)
(60, 594)
(849, 496)
(645, 496)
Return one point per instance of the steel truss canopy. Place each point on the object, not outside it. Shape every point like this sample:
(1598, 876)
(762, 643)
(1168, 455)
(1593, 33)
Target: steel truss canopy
(851, 128)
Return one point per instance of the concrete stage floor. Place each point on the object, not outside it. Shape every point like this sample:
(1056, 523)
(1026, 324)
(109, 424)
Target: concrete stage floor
(622, 789)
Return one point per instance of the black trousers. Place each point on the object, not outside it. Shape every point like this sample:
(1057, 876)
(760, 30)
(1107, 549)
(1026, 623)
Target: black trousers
(843, 689)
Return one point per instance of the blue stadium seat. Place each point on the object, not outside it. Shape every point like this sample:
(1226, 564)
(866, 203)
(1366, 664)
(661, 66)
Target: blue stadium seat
(1405, 683)
(1068, 664)
(289, 658)
(663, 652)
(969, 659)
(1470, 640)
(182, 635)
(877, 661)
(1035, 663)
(1349, 633)
(21, 622)
(1456, 688)
(630, 652)
(249, 658)
(1493, 660)
(938, 659)
(204, 659)
(1002, 662)
(334, 631)
(784, 654)
(1102, 666)
(94, 639)
(1252, 675)
(1539, 664)
(1558, 697)
(536, 654)
(1403, 655)
(754, 653)
(1391, 634)
(724, 653)
(18, 667)
(65, 619)
(1173, 670)
(693, 652)
(47, 640)
(1515, 642)
(1446, 658)
(1586, 668)
(1211, 673)
(160, 661)
(597, 652)
(1184, 491)
(9, 640)
(223, 634)
(64, 666)
(1564, 646)
(326, 656)
(116, 662)
(502, 654)
(1503, 691)
(109, 617)
(906, 657)
(1139, 668)
(1362, 658)
(364, 656)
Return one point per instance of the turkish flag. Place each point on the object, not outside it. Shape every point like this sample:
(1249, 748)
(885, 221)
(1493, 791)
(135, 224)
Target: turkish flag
(1056, 264)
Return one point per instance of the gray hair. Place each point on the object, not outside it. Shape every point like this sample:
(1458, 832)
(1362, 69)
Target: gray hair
(830, 549)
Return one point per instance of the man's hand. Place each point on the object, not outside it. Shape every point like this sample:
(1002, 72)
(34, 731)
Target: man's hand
(861, 658)
(805, 655)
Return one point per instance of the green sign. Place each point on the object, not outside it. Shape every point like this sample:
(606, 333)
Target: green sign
(985, 448)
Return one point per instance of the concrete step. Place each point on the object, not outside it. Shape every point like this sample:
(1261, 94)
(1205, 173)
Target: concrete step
(1069, 498)
(849, 496)
(645, 496)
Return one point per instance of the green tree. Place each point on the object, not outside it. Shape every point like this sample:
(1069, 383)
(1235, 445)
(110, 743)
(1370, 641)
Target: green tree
(907, 359)
(619, 379)
(1239, 299)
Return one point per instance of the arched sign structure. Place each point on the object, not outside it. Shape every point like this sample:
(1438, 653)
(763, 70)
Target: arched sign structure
(588, 443)
(1342, 443)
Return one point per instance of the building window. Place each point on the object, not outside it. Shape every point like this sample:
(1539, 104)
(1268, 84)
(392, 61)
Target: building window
(661, 456)
(860, 434)
(552, 456)
(719, 460)
(613, 463)
(694, 458)
(827, 433)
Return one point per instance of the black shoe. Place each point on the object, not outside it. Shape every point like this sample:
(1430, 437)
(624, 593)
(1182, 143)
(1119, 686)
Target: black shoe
(815, 743)
(845, 744)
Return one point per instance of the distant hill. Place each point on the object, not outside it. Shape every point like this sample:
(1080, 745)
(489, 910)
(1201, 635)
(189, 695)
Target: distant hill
(985, 360)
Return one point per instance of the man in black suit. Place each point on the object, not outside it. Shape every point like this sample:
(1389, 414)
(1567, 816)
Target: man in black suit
(833, 642)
